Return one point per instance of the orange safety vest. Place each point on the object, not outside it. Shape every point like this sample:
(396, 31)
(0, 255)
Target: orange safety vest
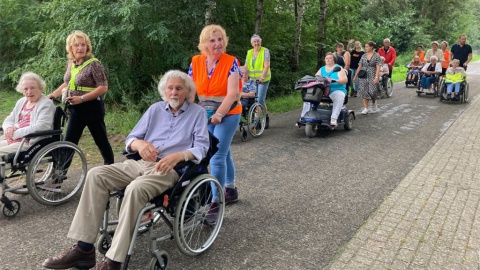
(215, 88)
(446, 56)
(422, 55)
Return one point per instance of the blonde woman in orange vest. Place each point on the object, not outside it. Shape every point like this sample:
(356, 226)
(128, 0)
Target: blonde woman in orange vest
(86, 81)
(217, 76)
(446, 57)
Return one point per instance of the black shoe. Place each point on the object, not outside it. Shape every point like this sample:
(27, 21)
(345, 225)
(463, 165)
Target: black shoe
(231, 195)
(267, 122)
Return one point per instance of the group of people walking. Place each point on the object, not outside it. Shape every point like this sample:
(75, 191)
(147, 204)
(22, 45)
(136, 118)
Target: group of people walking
(170, 132)
(452, 64)
(176, 129)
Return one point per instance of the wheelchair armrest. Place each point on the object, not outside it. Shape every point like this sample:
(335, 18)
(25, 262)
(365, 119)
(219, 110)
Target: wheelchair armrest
(43, 133)
(134, 156)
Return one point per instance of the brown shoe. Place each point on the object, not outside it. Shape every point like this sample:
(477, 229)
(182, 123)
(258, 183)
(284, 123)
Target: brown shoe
(107, 264)
(71, 257)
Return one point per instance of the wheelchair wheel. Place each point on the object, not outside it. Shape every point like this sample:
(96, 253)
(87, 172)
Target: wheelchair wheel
(11, 210)
(389, 89)
(161, 263)
(65, 178)
(311, 130)
(104, 241)
(195, 228)
(465, 93)
(256, 119)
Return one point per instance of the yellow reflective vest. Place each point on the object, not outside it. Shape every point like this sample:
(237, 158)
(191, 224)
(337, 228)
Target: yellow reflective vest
(255, 72)
(74, 72)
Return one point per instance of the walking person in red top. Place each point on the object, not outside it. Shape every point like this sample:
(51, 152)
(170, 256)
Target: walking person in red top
(389, 53)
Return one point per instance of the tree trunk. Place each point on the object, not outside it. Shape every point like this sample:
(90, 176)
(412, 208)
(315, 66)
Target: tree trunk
(322, 17)
(211, 5)
(295, 57)
(258, 17)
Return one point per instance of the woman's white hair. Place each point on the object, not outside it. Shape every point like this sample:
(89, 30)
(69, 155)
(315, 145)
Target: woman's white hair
(192, 88)
(434, 57)
(30, 76)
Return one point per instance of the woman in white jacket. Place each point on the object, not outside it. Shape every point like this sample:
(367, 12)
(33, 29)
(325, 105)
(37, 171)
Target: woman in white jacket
(33, 112)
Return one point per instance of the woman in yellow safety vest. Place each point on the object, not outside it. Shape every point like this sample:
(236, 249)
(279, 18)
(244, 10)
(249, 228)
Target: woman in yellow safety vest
(455, 75)
(84, 82)
(257, 64)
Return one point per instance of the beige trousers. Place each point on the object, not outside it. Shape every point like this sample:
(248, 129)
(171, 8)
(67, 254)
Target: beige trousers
(142, 184)
(6, 148)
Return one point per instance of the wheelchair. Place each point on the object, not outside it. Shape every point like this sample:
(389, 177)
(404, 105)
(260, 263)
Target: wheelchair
(254, 118)
(52, 170)
(462, 94)
(182, 208)
(433, 89)
(415, 81)
(385, 87)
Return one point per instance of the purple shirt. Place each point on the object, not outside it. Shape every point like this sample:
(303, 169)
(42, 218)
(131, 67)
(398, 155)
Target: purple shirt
(172, 133)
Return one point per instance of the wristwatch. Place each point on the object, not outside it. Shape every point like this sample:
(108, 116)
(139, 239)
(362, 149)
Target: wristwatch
(81, 98)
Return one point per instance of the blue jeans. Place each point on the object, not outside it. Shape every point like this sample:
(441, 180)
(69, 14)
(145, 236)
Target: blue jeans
(426, 81)
(354, 84)
(221, 164)
(262, 92)
(451, 85)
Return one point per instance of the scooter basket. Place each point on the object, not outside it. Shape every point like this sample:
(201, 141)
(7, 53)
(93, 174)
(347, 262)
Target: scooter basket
(312, 94)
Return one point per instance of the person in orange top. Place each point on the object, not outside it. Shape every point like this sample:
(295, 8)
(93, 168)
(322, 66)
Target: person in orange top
(217, 77)
(420, 53)
(446, 56)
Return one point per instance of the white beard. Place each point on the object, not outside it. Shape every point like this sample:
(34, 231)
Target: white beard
(174, 103)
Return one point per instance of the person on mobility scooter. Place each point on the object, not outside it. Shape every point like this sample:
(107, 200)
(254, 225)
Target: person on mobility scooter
(324, 98)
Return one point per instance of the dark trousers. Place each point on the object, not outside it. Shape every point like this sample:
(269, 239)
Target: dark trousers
(90, 114)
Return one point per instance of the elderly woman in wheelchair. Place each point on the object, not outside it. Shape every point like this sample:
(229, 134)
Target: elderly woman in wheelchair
(430, 73)
(23, 128)
(169, 133)
(454, 78)
(33, 112)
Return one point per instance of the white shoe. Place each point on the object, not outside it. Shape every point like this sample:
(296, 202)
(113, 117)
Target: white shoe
(333, 122)
(374, 108)
(365, 111)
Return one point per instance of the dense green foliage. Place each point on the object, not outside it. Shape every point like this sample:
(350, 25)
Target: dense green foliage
(139, 40)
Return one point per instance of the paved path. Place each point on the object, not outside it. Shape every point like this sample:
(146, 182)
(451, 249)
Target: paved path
(431, 220)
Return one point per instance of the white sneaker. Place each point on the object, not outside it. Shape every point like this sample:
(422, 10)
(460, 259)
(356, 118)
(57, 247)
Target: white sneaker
(365, 111)
(333, 122)
(374, 108)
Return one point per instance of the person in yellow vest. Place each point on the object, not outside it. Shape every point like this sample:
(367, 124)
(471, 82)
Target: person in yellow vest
(455, 75)
(85, 81)
(217, 77)
(257, 64)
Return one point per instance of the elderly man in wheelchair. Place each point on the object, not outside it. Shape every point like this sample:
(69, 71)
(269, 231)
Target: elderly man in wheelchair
(428, 81)
(169, 133)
